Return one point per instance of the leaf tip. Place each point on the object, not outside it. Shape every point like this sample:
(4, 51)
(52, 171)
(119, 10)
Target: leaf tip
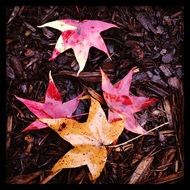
(51, 59)
(18, 98)
(101, 71)
(50, 76)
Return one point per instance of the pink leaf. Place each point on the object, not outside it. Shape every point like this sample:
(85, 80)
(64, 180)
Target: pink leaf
(85, 35)
(130, 122)
(51, 108)
(120, 101)
(35, 126)
(123, 85)
(35, 107)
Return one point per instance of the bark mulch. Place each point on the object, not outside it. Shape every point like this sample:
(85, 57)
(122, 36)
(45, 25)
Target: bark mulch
(150, 38)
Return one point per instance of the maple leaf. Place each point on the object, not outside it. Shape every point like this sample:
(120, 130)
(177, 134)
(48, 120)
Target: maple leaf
(120, 101)
(86, 35)
(88, 138)
(51, 108)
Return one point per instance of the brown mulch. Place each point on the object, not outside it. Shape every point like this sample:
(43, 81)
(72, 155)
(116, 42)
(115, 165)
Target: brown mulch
(150, 38)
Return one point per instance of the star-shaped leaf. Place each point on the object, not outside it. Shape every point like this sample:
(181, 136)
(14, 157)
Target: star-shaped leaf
(51, 108)
(89, 140)
(86, 35)
(120, 101)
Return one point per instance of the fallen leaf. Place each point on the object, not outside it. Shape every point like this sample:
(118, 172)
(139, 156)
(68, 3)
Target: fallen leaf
(80, 36)
(120, 101)
(51, 108)
(88, 138)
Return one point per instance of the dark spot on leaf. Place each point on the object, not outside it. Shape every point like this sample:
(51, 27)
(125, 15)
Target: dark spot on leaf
(92, 27)
(62, 126)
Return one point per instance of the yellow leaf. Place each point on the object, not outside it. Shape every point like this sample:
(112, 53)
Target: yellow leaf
(88, 138)
(92, 156)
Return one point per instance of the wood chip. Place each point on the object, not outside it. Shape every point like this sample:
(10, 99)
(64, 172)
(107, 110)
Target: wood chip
(167, 20)
(29, 53)
(168, 178)
(24, 179)
(165, 69)
(30, 27)
(142, 170)
(159, 30)
(17, 66)
(47, 33)
(14, 13)
(9, 130)
(145, 22)
(163, 52)
(124, 148)
(174, 82)
(168, 111)
(88, 76)
(169, 155)
(95, 95)
(136, 158)
(157, 90)
(10, 72)
(49, 14)
(167, 58)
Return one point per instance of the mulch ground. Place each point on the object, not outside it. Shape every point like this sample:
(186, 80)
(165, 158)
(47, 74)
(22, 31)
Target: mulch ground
(150, 38)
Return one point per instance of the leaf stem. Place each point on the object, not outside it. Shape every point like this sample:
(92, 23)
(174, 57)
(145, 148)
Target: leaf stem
(124, 143)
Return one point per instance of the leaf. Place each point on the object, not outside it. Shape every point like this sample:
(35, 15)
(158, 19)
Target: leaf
(95, 157)
(88, 138)
(51, 108)
(120, 101)
(85, 35)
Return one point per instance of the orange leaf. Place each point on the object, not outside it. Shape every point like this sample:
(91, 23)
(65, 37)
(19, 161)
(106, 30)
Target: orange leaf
(88, 138)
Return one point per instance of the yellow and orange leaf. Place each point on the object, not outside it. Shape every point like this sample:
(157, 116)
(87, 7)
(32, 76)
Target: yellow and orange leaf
(88, 138)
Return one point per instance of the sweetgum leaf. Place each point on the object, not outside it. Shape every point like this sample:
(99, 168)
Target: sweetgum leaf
(51, 108)
(120, 101)
(88, 138)
(86, 35)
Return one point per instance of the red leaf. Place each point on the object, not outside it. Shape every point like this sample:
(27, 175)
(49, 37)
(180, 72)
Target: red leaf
(52, 92)
(84, 35)
(51, 108)
(120, 102)
(35, 107)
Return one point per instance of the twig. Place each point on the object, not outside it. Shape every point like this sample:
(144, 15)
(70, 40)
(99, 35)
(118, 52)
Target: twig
(122, 144)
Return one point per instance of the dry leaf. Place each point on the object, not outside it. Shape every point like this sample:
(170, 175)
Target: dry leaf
(51, 108)
(121, 102)
(89, 140)
(80, 38)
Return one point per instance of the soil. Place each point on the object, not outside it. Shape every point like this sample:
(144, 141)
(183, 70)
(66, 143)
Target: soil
(150, 38)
